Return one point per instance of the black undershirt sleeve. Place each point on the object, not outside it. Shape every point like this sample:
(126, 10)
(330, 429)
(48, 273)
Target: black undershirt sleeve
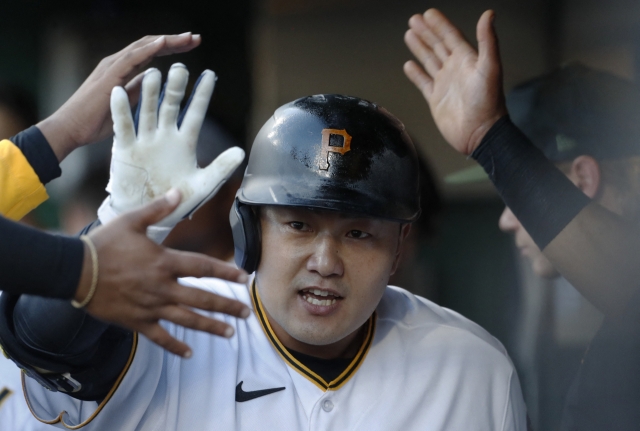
(38, 152)
(38, 263)
(31, 261)
(542, 198)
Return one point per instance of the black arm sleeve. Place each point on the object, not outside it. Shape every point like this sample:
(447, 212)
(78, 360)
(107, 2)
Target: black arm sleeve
(542, 198)
(38, 263)
(38, 153)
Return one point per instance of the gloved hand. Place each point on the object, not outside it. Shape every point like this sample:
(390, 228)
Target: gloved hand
(160, 153)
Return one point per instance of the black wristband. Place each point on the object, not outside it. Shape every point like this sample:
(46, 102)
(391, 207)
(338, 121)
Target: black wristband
(38, 153)
(542, 198)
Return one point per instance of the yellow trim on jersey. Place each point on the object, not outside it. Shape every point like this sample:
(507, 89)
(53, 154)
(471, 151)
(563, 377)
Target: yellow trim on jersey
(20, 188)
(102, 404)
(321, 383)
(5, 393)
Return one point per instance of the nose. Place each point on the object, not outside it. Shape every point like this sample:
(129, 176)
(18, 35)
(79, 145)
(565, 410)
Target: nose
(508, 222)
(325, 259)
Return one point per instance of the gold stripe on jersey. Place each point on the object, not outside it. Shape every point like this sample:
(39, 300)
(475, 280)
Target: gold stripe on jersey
(5, 393)
(339, 381)
(102, 404)
(20, 188)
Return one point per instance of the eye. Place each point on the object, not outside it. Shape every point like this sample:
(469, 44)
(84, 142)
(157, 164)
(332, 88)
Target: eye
(298, 225)
(358, 234)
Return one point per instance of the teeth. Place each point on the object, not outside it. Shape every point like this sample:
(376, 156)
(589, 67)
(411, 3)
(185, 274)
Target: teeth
(324, 302)
(319, 292)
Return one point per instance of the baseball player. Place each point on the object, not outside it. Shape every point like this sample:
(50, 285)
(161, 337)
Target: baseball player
(587, 232)
(328, 196)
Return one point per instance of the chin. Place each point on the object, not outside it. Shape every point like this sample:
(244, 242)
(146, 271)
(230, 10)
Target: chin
(315, 337)
(316, 333)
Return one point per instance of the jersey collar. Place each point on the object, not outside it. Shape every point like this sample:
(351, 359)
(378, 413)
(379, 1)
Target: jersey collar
(339, 381)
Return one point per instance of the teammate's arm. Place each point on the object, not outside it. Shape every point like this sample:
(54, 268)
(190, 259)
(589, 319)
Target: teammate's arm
(85, 117)
(130, 292)
(30, 159)
(66, 349)
(590, 246)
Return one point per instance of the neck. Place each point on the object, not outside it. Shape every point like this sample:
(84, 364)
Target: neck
(344, 348)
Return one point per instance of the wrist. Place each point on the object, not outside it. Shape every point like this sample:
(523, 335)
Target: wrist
(58, 136)
(477, 137)
(86, 275)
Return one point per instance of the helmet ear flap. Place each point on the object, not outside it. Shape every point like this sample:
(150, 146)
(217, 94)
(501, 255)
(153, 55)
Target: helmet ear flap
(245, 227)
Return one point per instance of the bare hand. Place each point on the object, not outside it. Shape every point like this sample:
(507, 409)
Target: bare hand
(86, 117)
(137, 283)
(462, 86)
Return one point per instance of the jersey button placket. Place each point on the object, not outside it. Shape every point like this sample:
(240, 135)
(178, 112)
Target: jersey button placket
(327, 405)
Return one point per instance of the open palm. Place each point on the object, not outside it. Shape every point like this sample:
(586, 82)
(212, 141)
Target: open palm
(462, 86)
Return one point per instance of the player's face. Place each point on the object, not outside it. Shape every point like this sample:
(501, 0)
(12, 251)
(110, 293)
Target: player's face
(528, 248)
(322, 273)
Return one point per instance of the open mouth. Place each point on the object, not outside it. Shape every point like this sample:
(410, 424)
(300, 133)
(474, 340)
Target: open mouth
(319, 297)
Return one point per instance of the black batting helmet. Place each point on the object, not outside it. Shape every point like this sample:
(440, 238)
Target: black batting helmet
(328, 152)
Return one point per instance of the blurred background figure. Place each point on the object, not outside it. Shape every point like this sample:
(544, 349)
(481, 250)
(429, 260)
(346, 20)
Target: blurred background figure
(588, 123)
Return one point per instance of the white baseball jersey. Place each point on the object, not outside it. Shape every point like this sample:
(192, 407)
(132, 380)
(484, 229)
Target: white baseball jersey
(14, 413)
(420, 367)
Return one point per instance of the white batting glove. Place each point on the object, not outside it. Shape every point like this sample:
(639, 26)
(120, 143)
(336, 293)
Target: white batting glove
(162, 154)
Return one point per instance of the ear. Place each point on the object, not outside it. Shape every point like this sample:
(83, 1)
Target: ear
(404, 233)
(585, 174)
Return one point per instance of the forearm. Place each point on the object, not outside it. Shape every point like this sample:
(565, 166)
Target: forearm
(584, 241)
(598, 253)
(38, 263)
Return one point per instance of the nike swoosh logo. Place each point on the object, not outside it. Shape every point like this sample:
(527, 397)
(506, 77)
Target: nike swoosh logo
(242, 396)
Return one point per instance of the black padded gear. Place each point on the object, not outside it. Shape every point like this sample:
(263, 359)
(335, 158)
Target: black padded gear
(61, 347)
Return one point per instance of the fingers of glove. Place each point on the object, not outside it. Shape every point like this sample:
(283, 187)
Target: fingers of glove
(121, 116)
(189, 319)
(221, 168)
(187, 264)
(193, 114)
(147, 113)
(215, 175)
(133, 88)
(158, 335)
(154, 211)
(172, 95)
(198, 298)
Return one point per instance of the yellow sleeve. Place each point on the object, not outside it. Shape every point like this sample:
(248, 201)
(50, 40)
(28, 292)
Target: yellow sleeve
(20, 188)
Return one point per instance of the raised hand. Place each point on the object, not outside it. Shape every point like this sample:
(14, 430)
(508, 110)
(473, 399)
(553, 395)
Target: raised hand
(161, 153)
(462, 86)
(137, 282)
(85, 117)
